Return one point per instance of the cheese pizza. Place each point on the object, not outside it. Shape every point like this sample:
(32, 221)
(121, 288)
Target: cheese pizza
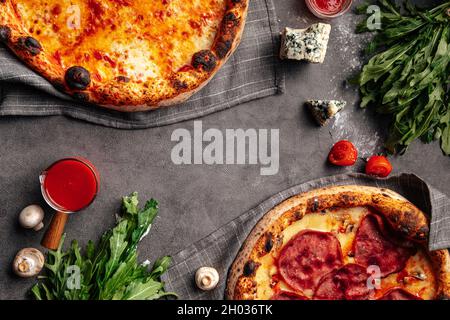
(127, 55)
(341, 243)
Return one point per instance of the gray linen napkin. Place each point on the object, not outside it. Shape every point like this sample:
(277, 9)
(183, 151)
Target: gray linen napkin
(252, 72)
(220, 248)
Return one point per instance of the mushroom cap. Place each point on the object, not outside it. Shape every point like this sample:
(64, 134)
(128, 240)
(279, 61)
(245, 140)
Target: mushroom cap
(206, 278)
(31, 217)
(28, 262)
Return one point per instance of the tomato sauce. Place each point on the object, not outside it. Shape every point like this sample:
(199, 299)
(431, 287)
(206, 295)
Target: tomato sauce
(328, 6)
(71, 184)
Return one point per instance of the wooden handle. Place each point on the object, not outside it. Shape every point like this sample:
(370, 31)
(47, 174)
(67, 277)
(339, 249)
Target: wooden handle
(55, 230)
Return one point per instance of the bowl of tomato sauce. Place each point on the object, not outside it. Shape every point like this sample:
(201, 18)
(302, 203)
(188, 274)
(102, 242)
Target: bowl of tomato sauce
(327, 9)
(68, 186)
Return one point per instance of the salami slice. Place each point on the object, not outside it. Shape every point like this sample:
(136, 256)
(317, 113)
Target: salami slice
(346, 283)
(375, 245)
(307, 257)
(398, 294)
(285, 295)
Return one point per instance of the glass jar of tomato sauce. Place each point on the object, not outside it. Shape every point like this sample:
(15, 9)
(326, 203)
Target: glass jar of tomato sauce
(68, 186)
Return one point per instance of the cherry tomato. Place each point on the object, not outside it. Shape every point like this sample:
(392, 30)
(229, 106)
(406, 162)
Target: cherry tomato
(378, 166)
(343, 153)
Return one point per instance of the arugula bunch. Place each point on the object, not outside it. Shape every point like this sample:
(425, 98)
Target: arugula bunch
(110, 270)
(408, 74)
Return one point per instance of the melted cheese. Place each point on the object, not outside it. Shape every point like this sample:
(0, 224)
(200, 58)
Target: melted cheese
(344, 223)
(138, 39)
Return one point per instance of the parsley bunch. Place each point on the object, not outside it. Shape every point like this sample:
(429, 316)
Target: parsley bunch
(109, 270)
(408, 74)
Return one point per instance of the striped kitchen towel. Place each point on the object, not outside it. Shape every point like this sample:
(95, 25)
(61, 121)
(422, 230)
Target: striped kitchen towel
(219, 249)
(251, 72)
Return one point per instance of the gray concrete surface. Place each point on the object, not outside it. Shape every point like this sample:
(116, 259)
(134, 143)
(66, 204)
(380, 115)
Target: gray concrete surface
(196, 200)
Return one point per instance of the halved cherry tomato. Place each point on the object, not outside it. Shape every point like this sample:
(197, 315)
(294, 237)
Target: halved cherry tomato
(343, 153)
(378, 166)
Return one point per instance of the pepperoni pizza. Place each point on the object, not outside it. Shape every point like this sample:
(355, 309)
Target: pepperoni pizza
(127, 55)
(341, 243)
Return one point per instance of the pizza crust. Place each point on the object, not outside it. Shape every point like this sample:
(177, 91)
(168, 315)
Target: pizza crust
(441, 264)
(123, 94)
(402, 215)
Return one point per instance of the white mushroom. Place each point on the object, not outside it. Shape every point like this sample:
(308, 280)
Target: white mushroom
(206, 278)
(31, 217)
(28, 262)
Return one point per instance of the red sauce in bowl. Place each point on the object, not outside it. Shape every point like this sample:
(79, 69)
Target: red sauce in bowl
(70, 184)
(328, 8)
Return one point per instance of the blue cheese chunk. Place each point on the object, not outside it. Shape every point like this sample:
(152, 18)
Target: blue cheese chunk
(306, 44)
(324, 110)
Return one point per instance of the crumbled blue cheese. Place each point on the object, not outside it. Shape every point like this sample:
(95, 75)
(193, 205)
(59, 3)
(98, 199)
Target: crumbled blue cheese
(306, 44)
(324, 110)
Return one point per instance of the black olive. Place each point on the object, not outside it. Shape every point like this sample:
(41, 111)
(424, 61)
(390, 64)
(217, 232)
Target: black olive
(205, 60)
(223, 47)
(77, 78)
(269, 243)
(249, 268)
(30, 44)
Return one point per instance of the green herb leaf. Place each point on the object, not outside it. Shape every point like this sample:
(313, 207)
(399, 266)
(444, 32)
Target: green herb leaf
(109, 270)
(408, 76)
(160, 267)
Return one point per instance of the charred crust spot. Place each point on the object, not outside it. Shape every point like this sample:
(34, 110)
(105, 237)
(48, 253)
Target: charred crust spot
(179, 85)
(385, 195)
(77, 78)
(269, 243)
(81, 96)
(404, 229)
(223, 47)
(123, 79)
(30, 45)
(422, 233)
(313, 204)
(230, 20)
(346, 198)
(279, 241)
(394, 218)
(249, 268)
(409, 216)
(204, 60)
(298, 215)
(5, 34)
